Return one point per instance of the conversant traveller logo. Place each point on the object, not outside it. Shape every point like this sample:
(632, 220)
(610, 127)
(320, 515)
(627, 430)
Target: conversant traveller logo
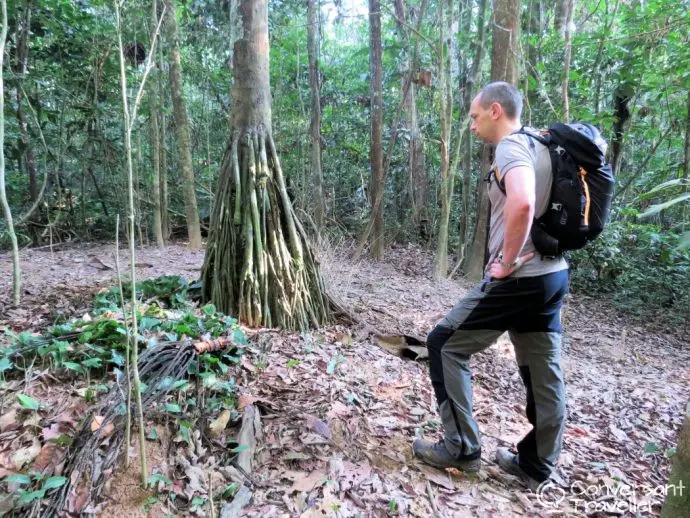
(606, 498)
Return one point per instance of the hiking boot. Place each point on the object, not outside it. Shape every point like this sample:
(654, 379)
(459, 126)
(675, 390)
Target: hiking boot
(508, 462)
(437, 455)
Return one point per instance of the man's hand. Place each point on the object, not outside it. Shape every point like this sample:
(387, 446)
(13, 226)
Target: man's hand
(498, 270)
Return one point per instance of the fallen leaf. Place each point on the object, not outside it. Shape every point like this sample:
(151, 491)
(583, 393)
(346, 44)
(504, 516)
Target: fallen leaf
(25, 455)
(319, 427)
(196, 481)
(312, 481)
(48, 459)
(619, 434)
(218, 425)
(96, 423)
(247, 364)
(9, 421)
(76, 499)
(436, 476)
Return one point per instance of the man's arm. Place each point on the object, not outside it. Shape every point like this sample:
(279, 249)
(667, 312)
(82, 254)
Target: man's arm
(518, 214)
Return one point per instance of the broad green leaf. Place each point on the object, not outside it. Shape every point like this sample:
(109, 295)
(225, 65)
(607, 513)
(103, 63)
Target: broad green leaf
(5, 365)
(19, 479)
(54, 482)
(173, 408)
(28, 402)
(655, 209)
(239, 448)
(209, 310)
(29, 496)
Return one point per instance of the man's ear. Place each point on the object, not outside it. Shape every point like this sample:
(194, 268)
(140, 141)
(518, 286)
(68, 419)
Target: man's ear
(496, 110)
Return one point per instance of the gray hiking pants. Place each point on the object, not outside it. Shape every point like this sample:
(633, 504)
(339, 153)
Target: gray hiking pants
(529, 309)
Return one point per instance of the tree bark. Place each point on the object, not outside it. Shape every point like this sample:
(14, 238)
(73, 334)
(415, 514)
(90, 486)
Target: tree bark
(560, 18)
(6, 212)
(678, 490)
(446, 112)
(566, 66)
(418, 180)
(314, 45)
(468, 93)
(155, 146)
(163, 125)
(504, 52)
(376, 183)
(258, 262)
(182, 128)
(686, 162)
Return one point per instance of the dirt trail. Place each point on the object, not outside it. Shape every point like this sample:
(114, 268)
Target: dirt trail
(339, 414)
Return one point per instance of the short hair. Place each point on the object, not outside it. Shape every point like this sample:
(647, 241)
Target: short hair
(504, 94)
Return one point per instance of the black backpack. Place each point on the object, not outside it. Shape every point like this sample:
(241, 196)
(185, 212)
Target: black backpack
(582, 190)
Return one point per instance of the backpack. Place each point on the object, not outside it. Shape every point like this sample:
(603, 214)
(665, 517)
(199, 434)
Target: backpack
(582, 190)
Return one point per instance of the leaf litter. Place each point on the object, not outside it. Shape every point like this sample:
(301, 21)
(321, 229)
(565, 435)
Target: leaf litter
(339, 412)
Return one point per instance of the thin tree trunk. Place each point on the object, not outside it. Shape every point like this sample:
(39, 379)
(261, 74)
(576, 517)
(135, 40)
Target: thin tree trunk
(446, 104)
(155, 147)
(597, 73)
(418, 181)
(163, 127)
(468, 93)
(27, 160)
(504, 52)
(258, 263)
(376, 185)
(182, 128)
(130, 116)
(314, 45)
(16, 269)
(560, 19)
(566, 66)
(687, 140)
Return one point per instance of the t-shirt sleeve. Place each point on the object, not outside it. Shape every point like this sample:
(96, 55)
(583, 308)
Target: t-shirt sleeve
(511, 153)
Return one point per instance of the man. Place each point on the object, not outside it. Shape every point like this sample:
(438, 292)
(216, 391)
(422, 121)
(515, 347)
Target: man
(522, 293)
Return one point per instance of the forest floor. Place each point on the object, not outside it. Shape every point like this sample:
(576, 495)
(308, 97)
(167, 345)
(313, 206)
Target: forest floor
(339, 413)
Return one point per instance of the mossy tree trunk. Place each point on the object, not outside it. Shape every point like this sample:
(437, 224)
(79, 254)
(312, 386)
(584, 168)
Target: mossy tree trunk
(258, 263)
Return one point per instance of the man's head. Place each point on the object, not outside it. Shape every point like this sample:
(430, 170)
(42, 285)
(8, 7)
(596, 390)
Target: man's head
(495, 111)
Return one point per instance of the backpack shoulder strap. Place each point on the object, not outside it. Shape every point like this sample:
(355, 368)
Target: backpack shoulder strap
(539, 138)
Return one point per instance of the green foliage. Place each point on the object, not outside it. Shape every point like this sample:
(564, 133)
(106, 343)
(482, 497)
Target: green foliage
(168, 291)
(643, 269)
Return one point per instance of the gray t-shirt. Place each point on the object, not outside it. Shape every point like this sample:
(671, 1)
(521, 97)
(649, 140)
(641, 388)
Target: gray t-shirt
(511, 152)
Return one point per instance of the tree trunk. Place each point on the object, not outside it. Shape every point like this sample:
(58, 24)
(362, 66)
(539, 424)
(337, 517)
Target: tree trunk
(314, 44)
(376, 184)
(446, 112)
(621, 114)
(687, 140)
(155, 146)
(6, 212)
(560, 17)
(678, 490)
(566, 66)
(27, 160)
(165, 218)
(258, 263)
(468, 93)
(182, 128)
(418, 181)
(504, 52)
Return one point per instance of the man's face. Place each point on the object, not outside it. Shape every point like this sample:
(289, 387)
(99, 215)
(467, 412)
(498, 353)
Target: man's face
(484, 120)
